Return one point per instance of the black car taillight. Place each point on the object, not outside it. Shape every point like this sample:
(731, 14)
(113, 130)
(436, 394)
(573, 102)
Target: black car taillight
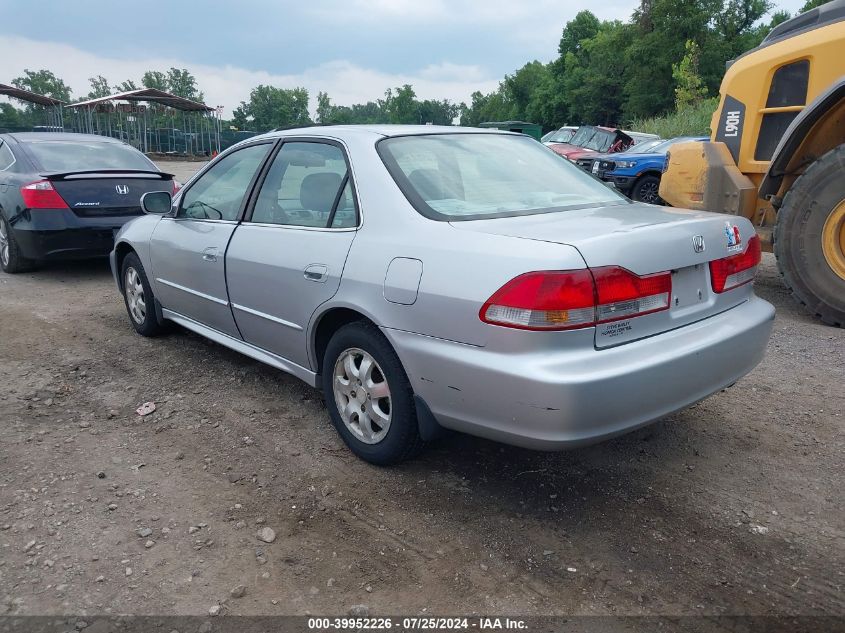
(42, 195)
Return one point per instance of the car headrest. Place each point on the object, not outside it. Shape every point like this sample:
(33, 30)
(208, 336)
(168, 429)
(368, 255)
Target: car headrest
(318, 191)
(428, 183)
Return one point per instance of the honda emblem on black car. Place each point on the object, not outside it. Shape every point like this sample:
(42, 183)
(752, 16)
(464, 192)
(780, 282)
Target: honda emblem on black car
(122, 189)
(698, 243)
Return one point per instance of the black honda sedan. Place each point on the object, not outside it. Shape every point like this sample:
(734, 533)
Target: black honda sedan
(64, 196)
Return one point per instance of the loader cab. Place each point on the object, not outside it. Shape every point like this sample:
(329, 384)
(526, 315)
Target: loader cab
(765, 89)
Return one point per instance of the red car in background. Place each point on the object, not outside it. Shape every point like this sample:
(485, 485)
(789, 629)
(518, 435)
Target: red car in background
(591, 139)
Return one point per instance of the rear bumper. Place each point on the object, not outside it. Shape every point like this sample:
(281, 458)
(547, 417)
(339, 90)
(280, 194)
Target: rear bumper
(551, 400)
(60, 234)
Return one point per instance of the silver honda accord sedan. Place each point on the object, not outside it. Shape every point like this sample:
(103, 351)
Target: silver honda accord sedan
(430, 278)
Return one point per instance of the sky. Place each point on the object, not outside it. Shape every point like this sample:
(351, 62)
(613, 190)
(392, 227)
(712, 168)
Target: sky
(352, 49)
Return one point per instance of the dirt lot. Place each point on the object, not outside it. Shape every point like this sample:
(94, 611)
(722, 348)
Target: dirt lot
(731, 507)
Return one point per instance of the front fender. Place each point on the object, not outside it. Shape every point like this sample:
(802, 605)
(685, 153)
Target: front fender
(134, 235)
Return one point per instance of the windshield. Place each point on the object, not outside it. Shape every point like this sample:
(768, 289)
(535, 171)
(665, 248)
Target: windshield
(475, 176)
(645, 147)
(593, 138)
(558, 136)
(64, 156)
(663, 146)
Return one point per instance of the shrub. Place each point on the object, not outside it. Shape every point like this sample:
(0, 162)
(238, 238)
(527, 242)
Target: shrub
(692, 120)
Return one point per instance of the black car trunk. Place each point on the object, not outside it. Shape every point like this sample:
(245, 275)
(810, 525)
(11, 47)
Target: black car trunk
(108, 193)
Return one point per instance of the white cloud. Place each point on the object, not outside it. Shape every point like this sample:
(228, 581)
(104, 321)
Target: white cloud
(346, 83)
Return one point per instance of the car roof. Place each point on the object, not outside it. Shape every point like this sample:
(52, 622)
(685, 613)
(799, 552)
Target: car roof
(23, 137)
(384, 130)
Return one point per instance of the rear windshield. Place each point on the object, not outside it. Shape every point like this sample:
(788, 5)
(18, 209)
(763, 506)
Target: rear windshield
(63, 156)
(475, 176)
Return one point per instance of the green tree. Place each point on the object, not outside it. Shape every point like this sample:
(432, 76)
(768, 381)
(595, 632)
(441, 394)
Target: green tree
(126, 86)
(183, 84)
(812, 4)
(43, 82)
(401, 105)
(689, 88)
(99, 87)
(270, 107)
(155, 80)
(325, 109)
(10, 117)
(438, 112)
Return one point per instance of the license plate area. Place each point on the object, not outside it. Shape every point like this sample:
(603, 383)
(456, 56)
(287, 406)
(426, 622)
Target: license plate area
(689, 287)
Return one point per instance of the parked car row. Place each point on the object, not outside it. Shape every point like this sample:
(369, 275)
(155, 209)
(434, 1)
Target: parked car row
(636, 172)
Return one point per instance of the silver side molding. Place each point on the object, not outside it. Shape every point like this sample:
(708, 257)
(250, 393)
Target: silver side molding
(196, 293)
(243, 347)
(269, 317)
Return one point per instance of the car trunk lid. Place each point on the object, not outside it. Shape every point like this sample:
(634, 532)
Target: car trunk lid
(105, 193)
(644, 240)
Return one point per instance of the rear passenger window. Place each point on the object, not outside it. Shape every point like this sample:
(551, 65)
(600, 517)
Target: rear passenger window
(345, 216)
(6, 157)
(307, 185)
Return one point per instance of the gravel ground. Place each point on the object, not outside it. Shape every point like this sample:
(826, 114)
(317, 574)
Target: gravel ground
(237, 496)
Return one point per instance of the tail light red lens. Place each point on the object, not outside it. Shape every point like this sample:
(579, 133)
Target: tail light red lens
(623, 294)
(42, 195)
(734, 271)
(565, 300)
(176, 187)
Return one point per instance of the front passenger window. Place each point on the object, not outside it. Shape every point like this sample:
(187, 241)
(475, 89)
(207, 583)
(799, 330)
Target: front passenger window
(220, 192)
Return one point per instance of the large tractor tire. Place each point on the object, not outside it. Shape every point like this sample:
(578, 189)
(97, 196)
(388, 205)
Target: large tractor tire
(809, 238)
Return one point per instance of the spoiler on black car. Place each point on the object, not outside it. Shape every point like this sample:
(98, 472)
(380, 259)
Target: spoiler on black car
(116, 173)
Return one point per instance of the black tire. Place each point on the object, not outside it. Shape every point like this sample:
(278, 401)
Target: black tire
(797, 237)
(647, 189)
(148, 325)
(402, 438)
(11, 260)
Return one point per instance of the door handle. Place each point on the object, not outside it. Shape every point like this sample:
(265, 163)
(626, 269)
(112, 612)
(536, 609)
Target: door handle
(317, 272)
(210, 254)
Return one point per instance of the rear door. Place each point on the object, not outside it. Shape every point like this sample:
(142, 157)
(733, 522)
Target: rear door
(287, 257)
(188, 250)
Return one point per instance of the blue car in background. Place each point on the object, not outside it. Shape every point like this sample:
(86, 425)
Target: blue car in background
(637, 174)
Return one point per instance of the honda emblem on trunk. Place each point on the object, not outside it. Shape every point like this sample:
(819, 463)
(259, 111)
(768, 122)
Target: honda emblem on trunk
(122, 189)
(698, 243)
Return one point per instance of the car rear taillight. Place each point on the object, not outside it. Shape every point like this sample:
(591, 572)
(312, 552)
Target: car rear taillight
(623, 294)
(569, 299)
(42, 195)
(734, 271)
(176, 187)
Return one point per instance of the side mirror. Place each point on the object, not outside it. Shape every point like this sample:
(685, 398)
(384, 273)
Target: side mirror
(156, 202)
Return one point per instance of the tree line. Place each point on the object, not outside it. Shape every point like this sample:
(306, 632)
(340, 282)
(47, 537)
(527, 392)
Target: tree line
(671, 54)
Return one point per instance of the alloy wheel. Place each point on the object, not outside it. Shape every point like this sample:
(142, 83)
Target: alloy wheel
(4, 243)
(649, 193)
(135, 295)
(362, 395)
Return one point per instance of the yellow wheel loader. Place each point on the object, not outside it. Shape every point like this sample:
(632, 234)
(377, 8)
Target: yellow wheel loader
(777, 155)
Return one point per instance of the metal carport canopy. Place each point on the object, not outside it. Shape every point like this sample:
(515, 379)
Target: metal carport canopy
(151, 95)
(31, 97)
